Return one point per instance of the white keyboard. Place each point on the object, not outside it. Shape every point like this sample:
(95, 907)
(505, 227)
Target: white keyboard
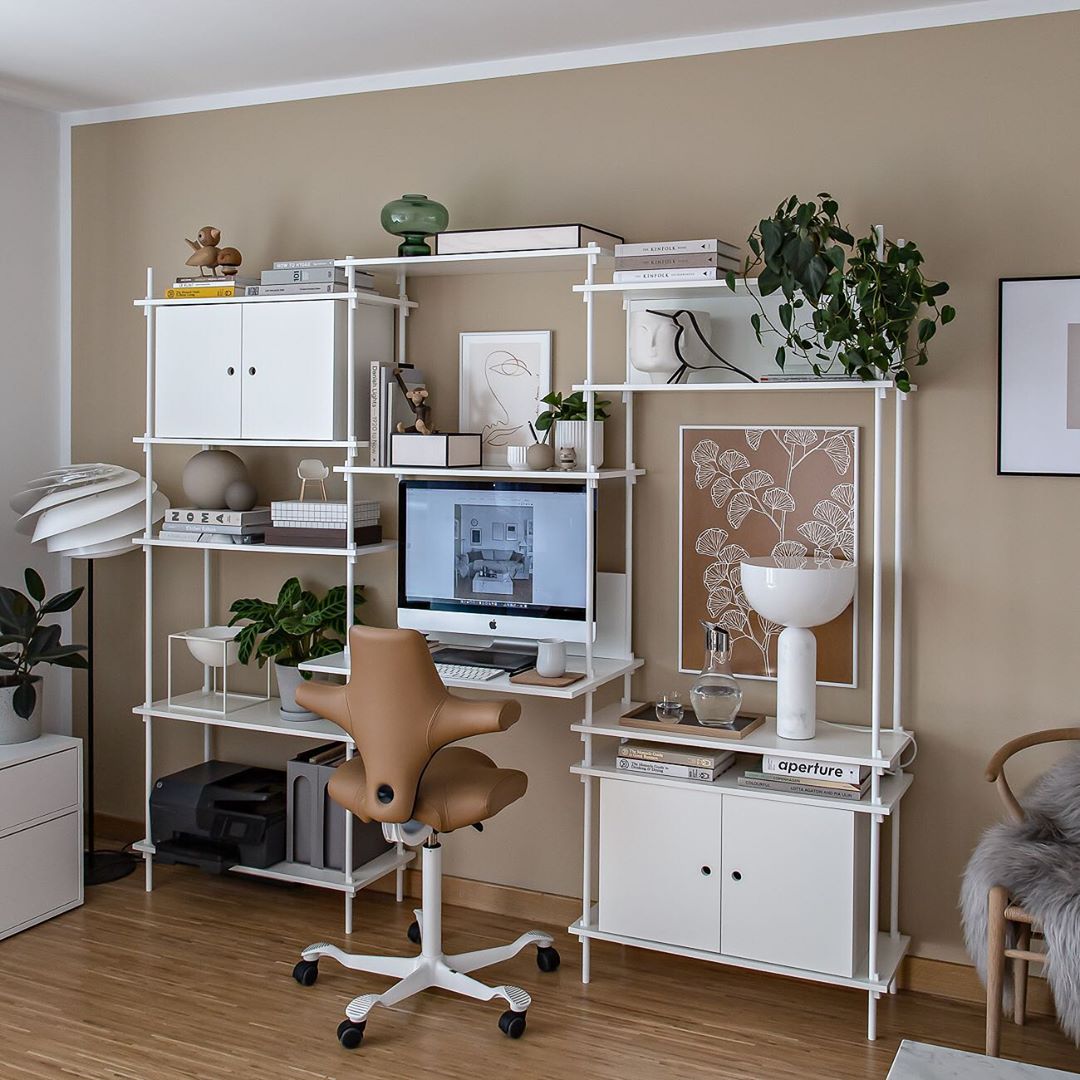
(467, 672)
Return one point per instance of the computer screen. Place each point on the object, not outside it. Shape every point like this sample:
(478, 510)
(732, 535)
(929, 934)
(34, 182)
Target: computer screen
(493, 558)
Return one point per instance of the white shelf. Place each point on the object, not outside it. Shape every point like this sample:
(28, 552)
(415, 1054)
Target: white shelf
(892, 789)
(266, 549)
(832, 742)
(709, 387)
(485, 473)
(302, 874)
(262, 716)
(484, 262)
(344, 444)
(360, 297)
(890, 951)
(604, 671)
(656, 290)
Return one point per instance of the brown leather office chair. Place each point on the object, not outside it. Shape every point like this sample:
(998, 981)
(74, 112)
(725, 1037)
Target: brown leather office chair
(400, 716)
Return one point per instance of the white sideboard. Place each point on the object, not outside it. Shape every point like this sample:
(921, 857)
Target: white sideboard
(41, 846)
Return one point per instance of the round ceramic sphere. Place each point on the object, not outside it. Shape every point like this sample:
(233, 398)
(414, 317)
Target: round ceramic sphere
(207, 477)
(240, 495)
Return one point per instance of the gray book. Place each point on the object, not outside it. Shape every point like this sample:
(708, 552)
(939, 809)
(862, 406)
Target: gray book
(301, 264)
(664, 262)
(316, 274)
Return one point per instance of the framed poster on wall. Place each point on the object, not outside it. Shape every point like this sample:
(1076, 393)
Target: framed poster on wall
(1039, 376)
(788, 492)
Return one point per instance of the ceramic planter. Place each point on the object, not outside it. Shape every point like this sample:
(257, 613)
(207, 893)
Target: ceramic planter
(13, 728)
(573, 433)
(288, 680)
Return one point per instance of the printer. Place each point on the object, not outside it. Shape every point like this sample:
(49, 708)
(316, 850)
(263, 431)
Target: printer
(218, 815)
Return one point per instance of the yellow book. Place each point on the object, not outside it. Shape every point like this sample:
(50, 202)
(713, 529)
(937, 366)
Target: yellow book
(204, 292)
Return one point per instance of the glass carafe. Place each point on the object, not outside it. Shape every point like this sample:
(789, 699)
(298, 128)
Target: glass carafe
(715, 695)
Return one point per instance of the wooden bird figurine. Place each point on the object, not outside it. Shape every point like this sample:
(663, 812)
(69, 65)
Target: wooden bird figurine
(229, 259)
(204, 250)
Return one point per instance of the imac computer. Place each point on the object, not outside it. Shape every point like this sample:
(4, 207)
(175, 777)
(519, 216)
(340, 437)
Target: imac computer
(494, 563)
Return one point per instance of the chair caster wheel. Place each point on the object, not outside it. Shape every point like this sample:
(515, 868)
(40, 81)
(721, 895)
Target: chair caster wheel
(547, 958)
(414, 932)
(512, 1024)
(306, 972)
(350, 1034)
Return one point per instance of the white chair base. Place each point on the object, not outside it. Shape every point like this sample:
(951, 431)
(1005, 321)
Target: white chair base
(432, 968)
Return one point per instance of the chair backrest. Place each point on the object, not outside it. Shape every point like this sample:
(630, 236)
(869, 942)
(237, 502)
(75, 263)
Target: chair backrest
(399, 713)
(995, 770)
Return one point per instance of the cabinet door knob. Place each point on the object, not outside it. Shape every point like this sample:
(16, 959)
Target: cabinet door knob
(230, 370)
(706, 871)
(736, 875)
(251, 371)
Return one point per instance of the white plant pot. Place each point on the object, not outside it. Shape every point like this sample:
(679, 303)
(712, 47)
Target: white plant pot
(13, 728)
(289, 679)
(573, 433)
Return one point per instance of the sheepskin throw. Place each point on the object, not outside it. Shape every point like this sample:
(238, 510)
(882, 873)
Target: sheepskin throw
(1038, 861)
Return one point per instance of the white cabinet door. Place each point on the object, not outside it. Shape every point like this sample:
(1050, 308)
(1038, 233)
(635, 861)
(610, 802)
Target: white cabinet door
(40, 872)
(198, 371)
(288, 370)
(790, 884)
(659, 864)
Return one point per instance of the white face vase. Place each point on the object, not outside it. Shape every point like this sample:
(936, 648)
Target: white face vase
(652, 343)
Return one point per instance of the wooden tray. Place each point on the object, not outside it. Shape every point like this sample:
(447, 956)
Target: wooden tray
(643, 718)
(532, 678)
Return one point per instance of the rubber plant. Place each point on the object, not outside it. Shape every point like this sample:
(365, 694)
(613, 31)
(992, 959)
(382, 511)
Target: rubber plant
(26, 642)
(571, 407)
(871, 309)
(297, 626)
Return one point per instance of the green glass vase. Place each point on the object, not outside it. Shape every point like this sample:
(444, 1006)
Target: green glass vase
(413, 217)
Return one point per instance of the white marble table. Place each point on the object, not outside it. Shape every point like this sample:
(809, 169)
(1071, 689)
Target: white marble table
(921, 1061)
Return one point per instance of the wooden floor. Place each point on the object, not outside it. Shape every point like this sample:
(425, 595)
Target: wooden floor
(192, 981)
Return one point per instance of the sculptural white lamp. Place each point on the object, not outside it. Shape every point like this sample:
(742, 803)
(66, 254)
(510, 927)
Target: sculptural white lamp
(89, 512)
(797, 593)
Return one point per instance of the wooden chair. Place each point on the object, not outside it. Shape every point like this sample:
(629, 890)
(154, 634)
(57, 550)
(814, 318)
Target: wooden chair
(1009, 921)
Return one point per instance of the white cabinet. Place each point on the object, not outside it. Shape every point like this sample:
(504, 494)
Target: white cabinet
(40, 831)
(794, 885)
(269, 371)
(659, 864)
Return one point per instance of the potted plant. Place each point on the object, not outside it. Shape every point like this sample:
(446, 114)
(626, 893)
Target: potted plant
(295, 627)
(25, 642)
(847, 301)
(567, 417)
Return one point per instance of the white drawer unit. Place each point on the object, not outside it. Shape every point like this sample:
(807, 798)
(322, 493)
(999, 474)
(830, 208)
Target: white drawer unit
(40, 831)
(267, 371)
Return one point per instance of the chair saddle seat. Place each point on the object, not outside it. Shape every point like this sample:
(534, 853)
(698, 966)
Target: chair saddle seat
(459, 787)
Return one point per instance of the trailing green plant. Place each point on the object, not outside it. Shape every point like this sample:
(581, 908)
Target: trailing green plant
(26, 642)
(863, 308)
(297, 626)
(571, 407)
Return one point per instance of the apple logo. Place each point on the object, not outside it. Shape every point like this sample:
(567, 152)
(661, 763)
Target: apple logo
(493, 625)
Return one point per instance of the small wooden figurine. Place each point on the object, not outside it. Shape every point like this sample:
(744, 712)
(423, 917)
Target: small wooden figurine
(417, 398)
(205, 253)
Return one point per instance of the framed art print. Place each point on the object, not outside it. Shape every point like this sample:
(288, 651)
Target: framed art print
(1039, 376)
(503, 377)
(747, 492)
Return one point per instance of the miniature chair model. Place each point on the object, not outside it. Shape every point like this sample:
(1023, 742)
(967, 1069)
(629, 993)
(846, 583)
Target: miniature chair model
(401, 718)
(1009, 922)
(313, 471)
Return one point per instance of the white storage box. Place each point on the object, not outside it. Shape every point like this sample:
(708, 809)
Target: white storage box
(444, 450)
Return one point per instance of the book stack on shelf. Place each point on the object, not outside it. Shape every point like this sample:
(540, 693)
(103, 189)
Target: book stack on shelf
(295, 523)
(302, 277)
(210, 288)
(677, 762)
(526, 238)
(805, 776)
(675, 260)
(216, 526)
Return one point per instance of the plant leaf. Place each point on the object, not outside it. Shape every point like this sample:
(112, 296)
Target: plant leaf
(34, 585)
(24, 699)
(64, 601)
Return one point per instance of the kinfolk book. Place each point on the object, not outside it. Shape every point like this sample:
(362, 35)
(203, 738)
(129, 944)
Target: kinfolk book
(677, 247)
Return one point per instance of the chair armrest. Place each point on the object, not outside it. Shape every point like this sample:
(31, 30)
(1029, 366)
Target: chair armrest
(995, 769)
(327, 700)
(460, 718)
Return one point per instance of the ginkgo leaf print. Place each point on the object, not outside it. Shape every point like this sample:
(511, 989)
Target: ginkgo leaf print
(753, 437)
(778, 498)
(733, 553)
(789, 549)
(741, 504)
(845, 541)
(755, 479)
(831, 513)
(844, 494)
(800, 436)
(839, 451)
(705, 451)
(818, 533)
(710, 542)
(733, 620)
(732, 461)
(721, 490)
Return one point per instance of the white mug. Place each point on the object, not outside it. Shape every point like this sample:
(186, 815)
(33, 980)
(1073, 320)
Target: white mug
(551, 658)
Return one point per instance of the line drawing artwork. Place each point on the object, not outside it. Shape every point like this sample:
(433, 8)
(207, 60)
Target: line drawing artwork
(785, 492)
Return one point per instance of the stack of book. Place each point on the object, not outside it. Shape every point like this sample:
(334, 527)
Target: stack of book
(677, 762)
(216, 526)
(322, 524)
(299, 277)
(209, 288)
(675, 260)
(805, 776)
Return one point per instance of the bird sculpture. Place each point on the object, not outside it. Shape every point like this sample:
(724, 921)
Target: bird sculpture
(205, 253)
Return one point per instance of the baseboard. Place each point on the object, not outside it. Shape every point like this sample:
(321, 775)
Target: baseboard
(939, 978)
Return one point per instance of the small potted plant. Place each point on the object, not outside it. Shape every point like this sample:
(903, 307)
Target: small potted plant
(26, 642)
(295, 627)
(567, 417)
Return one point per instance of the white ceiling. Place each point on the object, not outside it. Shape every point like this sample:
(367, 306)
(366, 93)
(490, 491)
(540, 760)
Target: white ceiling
(84, 54)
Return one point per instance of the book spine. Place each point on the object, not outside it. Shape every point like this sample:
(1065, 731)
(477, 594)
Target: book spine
(211, 292)
(301, 264)
(668, 262)
(315, 287)
(330, 508)
(375, 413)
(676, 247)
(809, 769)
(832, 785)
(203, 527)
(662, 768)
(209, 282)
(191, 516)
(799, 789)
(672, 756)
(304, 277)
(686, 273)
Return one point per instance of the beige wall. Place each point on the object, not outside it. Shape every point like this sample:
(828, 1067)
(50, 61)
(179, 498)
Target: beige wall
(960, 138)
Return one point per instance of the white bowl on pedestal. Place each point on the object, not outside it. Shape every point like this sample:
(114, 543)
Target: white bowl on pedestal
(797, 593)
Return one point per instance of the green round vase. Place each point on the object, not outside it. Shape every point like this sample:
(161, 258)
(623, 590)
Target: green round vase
(413, 217)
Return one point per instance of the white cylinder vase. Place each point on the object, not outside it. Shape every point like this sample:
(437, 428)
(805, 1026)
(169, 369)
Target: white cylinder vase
(574, 433)
(796, 683)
